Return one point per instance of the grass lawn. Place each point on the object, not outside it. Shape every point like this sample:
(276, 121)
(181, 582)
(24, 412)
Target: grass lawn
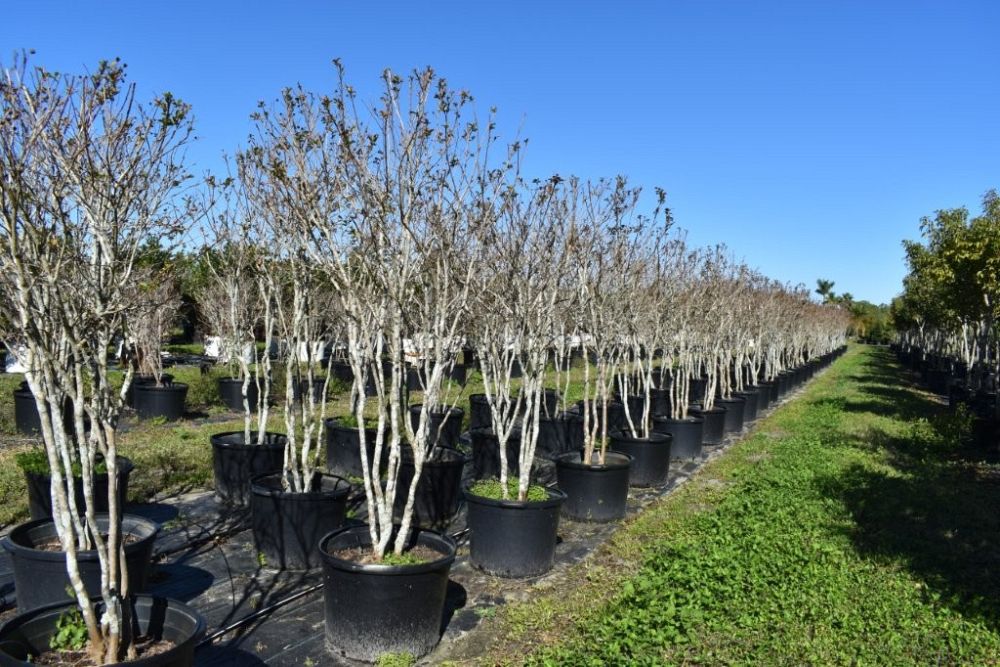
(854, 527)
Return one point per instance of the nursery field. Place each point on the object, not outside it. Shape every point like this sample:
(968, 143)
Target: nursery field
(857, 525)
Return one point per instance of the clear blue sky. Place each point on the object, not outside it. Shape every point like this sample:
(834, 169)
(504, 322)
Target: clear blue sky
(808, 136)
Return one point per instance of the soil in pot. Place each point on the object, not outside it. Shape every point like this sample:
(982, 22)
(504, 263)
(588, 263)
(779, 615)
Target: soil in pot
(35, 466)
(40, 573)
(169, 629)
(231, 393)
(687, 434)
(439, 491)
(650, 457)
(287, 526)
(166, 401)
(445, 425)
(376, 609)
(512, 538)
(235, 463)
(343, 447)
(594, 492)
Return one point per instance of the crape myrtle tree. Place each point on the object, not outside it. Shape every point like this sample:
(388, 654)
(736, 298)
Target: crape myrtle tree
(235, 298)
(713, 327)
(516, 313)
(88, 175)
(602, 252)
(649, 295)
(391, 203)
(159, 299)
(684, 342)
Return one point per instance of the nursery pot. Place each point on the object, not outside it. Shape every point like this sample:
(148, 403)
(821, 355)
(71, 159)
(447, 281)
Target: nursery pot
(616, 415)
(650, 457)
(687, 434)
(486, 453)
(40, 574)
(300, 387)
(372, 610)
(560, 435)
(231, 393)
(445, 425)
(235, 463)
(696, 390)
(27, 635)
(735, 408)
(287, 526)
(750, 406)
(479, 412)
(26, 411)
(40, 490)
(511, 538)
(765, 394)
(166, 401)
(343, 449)
(594, 492)
(714, 429)
(439, 491)
(138, 380)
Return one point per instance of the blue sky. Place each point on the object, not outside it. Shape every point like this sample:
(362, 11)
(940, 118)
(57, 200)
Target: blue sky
(808, 136)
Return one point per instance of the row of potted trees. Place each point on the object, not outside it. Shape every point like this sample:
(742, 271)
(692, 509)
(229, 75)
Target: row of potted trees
(405, 237)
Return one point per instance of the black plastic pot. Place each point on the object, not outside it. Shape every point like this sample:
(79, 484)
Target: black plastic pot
(287, 526)
(750, 406)
(616, 415)
(734, 413)
(138, 380)
(687, 434)
(40, 575)
(486, 453)
(479, 412)
(343, 449)
(231, 393)
(696, 391)
(26, 411)
(439, 491)
(765, 395)
(509, 538)
(235, 463)
(27, 635)
(650, 457)
(594, 492)
(714, 428)
(40, 490)
(372, 610)
(559, 436)
(166, 401)
(445, 426)
(300, 388)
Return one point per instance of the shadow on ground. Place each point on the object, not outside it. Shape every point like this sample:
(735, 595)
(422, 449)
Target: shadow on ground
(939, 514)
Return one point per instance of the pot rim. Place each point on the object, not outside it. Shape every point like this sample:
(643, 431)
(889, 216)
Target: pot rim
(178, 606)
(574, 460)
(13, 547)
(654, 438)
(215, 442)
(715, 409)
(555, 499)
(690, 419)
(174, 387)
(445, 560)
(417, 408)
(337, 493)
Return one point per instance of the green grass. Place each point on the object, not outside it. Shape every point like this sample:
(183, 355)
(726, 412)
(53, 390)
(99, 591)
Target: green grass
(492, 489)
(854, 527)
